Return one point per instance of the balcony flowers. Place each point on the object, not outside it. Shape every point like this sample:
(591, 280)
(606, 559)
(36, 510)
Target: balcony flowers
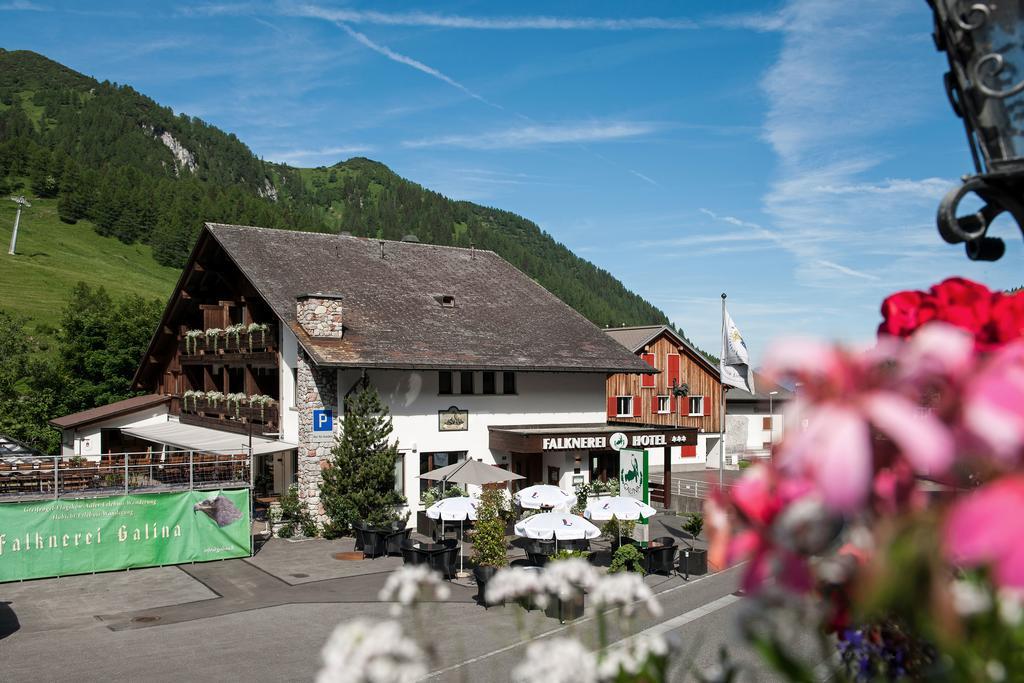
(237, 400)
(236, 332)
(212, 337)
(195, 396)
(263, 402)
(192, 338)
(214, 398)
(261, 328)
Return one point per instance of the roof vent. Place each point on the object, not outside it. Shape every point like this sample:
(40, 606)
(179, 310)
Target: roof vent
(446, 300)
(410, 238)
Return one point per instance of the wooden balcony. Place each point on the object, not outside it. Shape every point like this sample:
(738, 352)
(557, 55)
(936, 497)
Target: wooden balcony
(229, 417)
(258, 349)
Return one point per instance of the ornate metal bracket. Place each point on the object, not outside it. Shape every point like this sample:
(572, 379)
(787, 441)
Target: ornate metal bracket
(1001, 193)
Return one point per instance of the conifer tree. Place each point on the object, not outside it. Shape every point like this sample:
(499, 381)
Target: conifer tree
(360, 484)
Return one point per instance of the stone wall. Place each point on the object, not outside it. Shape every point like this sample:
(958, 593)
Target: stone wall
(317, 388)
(320, 315)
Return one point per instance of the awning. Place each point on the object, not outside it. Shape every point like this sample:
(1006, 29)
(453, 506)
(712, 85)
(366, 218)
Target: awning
(193, 438)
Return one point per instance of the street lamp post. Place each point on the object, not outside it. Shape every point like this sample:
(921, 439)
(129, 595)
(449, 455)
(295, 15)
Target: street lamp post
(984, 45)
(22, 204)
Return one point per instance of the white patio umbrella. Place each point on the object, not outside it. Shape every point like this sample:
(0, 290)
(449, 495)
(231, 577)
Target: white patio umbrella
(457, 509)
(543, 496)
(560, 526)
(619, 507)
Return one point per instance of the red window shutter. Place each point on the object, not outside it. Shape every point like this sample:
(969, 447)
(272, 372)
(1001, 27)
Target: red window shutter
(647, 380)
(707, 405)
(671, 404)
(673, 370)
(636, 407)
(613, 406)
(689, 451)
(654, 404)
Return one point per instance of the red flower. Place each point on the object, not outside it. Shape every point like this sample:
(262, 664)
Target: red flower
(904, 312)
(963, 303)
(1007, 322)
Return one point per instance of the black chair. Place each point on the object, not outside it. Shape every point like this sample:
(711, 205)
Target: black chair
(374, 542)
(393, 541)
(444, 560)
(357, 531)
(410, 555)
(538, 551)
(661, 559)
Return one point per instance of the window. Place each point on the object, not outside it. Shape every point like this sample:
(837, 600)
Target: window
(647, 380)
(664, 405)
(432, 461)
(488, 382)
(696, 406)
(466, 382)
(624, 406)
(508, 382)
(295, 387)
(444, 382)
(400, 473)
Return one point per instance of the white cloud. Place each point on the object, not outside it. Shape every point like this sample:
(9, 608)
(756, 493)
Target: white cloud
(646, 179)
(543, 23)
(22, 6)
(300, 155)
(536, 135)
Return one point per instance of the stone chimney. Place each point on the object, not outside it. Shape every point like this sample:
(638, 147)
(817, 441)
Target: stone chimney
(319, 314)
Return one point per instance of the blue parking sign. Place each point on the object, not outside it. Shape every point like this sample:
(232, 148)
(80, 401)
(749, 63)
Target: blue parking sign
(322, 421)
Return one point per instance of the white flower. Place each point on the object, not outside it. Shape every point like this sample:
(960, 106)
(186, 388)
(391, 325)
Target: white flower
(969, 598)
(626, 591)
(516, 583)
(556, 660)
(365, 651)
(1011, 606)
(630, 657)
(565, 579)
(411, 584)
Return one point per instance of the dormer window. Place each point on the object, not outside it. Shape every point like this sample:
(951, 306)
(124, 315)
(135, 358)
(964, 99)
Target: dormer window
(447, 300)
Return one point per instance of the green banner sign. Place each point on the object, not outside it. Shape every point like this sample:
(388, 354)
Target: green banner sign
(80, 536)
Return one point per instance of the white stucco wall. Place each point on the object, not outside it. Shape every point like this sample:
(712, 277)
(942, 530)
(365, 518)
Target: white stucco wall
(541, 398)
(288, 362)
(85, 440)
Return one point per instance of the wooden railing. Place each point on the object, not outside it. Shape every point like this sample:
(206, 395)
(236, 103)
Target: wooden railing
(229, 416)
(230, 343)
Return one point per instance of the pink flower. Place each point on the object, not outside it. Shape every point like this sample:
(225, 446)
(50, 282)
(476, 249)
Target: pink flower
(993, 409)
(986, 528)
(846, 398)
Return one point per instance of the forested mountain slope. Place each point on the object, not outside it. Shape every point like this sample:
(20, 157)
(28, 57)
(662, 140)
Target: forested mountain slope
(137, 172)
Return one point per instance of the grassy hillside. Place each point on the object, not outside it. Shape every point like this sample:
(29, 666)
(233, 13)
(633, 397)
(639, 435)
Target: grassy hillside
(53, 256)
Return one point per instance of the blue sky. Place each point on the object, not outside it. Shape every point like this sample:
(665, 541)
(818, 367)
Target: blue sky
(789, 153)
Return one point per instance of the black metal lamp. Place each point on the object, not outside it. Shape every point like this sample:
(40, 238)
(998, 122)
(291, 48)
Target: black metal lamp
(984, 42)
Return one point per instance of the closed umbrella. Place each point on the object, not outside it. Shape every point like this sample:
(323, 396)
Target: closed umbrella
(543, 496)
(454, 509)
(560, 526)
(619, 507)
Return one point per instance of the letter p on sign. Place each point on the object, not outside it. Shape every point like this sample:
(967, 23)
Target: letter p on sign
(322, 420)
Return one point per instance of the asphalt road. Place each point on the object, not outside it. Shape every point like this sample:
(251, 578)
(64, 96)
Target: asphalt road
(52, 631)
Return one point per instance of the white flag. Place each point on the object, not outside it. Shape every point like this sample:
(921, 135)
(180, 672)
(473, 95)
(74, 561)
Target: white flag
(735, 364)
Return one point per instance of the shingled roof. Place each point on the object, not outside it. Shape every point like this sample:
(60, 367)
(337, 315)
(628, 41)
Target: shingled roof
(393, 316)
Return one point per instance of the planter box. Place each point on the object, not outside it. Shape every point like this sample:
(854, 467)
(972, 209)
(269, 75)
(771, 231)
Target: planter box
(694, 562)
(565, 610)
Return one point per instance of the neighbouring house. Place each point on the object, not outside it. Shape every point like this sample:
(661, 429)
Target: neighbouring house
(685, 393)
(267, 331)
(753, 422)
(12, 448)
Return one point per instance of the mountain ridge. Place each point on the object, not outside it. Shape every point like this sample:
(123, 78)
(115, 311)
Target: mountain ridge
(134, 170)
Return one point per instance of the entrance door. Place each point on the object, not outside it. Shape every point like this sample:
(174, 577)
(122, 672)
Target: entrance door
(528, 465)
(604, 465)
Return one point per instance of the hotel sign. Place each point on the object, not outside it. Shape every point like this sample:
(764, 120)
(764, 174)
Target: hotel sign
(616, 441)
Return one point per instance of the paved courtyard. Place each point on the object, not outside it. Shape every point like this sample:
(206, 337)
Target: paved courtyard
(267, 617)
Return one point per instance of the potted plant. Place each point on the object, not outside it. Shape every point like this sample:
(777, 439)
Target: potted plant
(237, 400)
(195, 396)
(490, 552)
(236, 332)
(628, 558)
(213, 334)
(566, 609)
(192, 338)
(261, 401)
(694, 560)
(260, 328)
(619, 531)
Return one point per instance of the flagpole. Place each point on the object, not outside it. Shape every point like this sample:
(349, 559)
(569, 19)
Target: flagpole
(721, 387)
